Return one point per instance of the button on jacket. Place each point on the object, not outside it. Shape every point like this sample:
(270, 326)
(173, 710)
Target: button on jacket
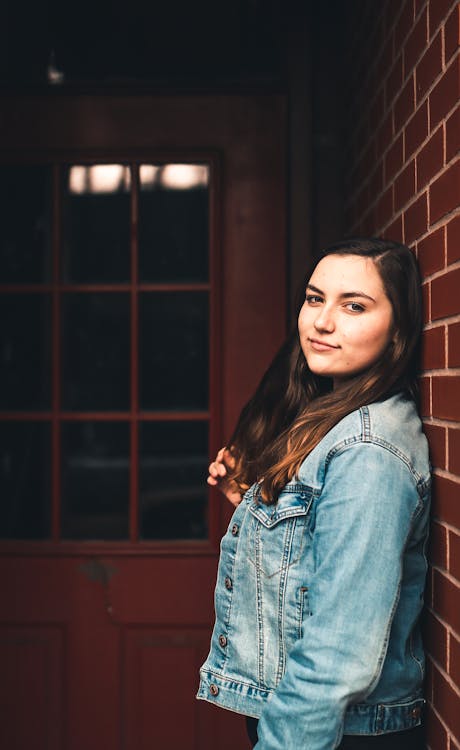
(318, 597)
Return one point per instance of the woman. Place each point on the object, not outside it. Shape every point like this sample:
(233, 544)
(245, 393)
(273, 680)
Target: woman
(322, 570)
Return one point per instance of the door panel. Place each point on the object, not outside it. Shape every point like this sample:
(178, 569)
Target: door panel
(107, 598)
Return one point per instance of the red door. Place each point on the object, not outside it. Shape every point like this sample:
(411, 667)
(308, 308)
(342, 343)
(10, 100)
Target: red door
(143, 294)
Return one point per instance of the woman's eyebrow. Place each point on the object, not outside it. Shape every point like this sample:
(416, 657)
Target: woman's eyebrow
(345, 295)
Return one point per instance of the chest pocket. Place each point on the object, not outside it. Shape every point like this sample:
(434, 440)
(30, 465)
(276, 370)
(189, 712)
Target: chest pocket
(278, 533)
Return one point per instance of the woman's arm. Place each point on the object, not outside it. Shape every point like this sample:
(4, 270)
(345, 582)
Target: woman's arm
(363, 519)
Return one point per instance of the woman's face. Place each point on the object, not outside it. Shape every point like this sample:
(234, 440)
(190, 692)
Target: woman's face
(345, 323)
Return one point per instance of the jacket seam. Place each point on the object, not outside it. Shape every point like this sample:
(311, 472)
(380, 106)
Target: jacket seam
(420, 483)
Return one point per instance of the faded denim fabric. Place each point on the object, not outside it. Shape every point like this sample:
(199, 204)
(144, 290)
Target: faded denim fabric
(318, 597)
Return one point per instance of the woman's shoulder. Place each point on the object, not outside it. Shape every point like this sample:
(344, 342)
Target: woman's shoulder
(392, 424)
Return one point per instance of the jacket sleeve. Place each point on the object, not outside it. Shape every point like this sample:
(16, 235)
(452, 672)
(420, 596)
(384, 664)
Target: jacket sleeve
(363, 519)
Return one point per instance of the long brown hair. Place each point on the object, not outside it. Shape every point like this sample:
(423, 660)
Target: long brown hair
(293, 409)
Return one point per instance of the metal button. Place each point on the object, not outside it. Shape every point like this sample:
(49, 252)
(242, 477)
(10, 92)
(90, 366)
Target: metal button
(415, 713)
(213, 689)
(223, 640)
(235, 529)
(228, 583)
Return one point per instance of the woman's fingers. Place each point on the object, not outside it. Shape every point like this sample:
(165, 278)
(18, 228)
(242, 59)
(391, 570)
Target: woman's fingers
(217, 469)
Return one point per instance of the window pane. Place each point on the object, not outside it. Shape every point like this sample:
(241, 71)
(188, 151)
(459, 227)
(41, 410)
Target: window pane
(173, 490)
(174, 350)
(25, 480)
(95, 351)
(95, 480)
(173, 222)
(25, 210)
(96, 229)
(25, 346)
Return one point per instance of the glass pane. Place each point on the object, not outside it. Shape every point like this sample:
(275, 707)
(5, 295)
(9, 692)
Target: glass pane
(25, 210)
(173, 222)
(95, 351)
(173, 471)
(95, 480)
(25, 449)
(25, 346)
(96, 229)
(174, 350)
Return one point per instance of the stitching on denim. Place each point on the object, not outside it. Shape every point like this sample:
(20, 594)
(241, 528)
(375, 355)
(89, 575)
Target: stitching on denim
(287, 547)
(366, 423)
(421, 484)
(260, 624)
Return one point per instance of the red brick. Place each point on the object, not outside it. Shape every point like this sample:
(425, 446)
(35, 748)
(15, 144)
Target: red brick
(446, 598)
(453, 436)
(438, 12)
(438, 545)
(395, 230)
(425, 396)
(453, 134)
(445, 192)
(405, 186)
(376, 181)
(394, 159)
(426, 300)
(445, 394)
(404, 23)
(453, 345)
(428, 594)
(433, 351)
(446, 701)
(445, 94)
(415, 220)
(428, 68)
(430, 252)
(454, 555)
(394, 81)
(435, 638)
(446, 500)
(430, 159)
(436, 437)
(416, 130)
(436, 735)
(404, 105)
(429, 670)
(385, 207)
(453, 239)
(452, 33)
(385, 134)
(454, 661)
(416, 42)
(444, 294)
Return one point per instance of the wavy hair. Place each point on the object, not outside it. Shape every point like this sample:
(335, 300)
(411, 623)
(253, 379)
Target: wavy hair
(292, 409)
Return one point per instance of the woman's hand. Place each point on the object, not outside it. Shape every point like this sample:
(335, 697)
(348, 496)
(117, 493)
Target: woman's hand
(220, 476)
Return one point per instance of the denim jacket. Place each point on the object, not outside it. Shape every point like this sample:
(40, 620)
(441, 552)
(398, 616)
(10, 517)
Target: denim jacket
(318, 597)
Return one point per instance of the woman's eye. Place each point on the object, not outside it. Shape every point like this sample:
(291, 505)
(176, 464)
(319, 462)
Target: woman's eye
(355, 307)
(313, 299)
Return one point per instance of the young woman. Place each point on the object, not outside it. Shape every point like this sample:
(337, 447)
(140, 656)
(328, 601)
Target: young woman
(322, 570)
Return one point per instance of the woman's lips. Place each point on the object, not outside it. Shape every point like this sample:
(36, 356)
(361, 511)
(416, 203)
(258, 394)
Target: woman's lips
(321, 346)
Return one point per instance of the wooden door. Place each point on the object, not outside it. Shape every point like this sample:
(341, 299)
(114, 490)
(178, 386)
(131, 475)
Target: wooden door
(143, 294)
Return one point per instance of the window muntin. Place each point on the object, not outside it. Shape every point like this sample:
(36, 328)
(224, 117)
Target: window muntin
(112, 353)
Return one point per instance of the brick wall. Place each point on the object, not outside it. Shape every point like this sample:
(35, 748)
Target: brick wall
(402, 180)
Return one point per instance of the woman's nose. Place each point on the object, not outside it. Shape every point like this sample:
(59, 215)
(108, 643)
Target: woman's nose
(324, 321)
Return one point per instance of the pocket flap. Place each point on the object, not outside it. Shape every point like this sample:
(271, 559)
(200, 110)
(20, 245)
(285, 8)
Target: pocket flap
(293, 501)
